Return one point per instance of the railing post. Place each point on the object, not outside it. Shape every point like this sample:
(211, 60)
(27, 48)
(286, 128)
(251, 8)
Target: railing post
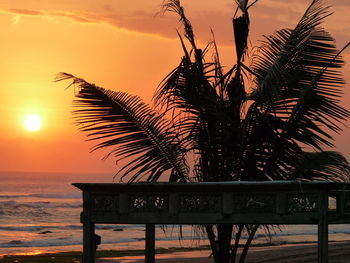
(173, 203)
(150, 243)
(89, 246)
(281, 203)
(323, 227)
(123, 203)
(227, 201)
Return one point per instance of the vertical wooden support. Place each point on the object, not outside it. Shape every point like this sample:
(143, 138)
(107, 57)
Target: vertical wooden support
(281, 203)
(340, 202)
(323, 228)
(123, 203)
(88, 231)
(150, 243)
(227, 203)
(88, 242)
(173, 204)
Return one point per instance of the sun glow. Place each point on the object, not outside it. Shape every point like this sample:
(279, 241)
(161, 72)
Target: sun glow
(32, 123)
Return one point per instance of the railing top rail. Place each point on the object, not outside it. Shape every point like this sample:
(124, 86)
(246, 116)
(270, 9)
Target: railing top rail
(238, 186)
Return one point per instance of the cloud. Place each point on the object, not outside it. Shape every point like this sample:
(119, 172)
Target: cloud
(326, 2)
(81, 17)
(78, 16)
(16, 19)
(20, 11)
(266, 16)
(137, 20)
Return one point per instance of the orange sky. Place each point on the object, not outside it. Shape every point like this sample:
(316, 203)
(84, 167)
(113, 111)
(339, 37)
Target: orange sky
(120, 45)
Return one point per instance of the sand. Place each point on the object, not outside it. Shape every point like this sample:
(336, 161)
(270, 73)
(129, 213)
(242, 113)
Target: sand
(339, 252)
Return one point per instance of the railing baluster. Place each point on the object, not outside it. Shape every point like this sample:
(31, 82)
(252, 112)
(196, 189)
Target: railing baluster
(150, 243)
(323, 227)
(227, 206)
(173, 203)
(281, 203)
(123, 203)
(89, 247)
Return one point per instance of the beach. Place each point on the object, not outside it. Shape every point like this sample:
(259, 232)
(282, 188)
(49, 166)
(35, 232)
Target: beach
(339, 252)
(40, 217)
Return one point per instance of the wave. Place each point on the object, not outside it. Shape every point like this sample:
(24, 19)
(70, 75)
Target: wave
(25, 228)
(75, 239)
(39, 228)
(55, 243)
(46, 204)
(54, 196)
(38, 243)
(68, 242)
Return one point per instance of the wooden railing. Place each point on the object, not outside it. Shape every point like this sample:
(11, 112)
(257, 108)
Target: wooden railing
(277, 202)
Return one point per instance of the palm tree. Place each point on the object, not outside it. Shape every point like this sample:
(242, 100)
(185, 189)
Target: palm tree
(269, 117)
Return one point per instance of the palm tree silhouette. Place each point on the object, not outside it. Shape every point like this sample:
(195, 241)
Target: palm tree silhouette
(269, 117)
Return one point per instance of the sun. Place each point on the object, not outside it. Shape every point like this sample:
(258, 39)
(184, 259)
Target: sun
(32, 123)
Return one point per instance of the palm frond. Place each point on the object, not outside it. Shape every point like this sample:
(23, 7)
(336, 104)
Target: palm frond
(241, 30)
(219, 79)
(262, 143)
(126, 124)
(299, 84)
(322, 166)
(175, 6)
(202, 116)
(189, 92)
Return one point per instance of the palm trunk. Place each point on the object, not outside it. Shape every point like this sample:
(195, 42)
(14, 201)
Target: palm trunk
(235, 246)
(211, 236)
(247, 244)
(224, 242)
(221, 248)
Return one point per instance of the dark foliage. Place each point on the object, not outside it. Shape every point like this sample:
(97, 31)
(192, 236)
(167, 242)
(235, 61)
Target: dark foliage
(228, 131)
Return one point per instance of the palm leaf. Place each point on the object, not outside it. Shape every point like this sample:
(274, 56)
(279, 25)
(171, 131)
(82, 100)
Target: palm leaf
(297, 80)
(327, 165)
(175, 6)
(259, 140)
(189, 93)
(297, 83)
(241, 30)
(126, 124)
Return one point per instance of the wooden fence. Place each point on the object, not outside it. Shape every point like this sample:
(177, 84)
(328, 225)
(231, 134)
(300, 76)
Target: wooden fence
(277, 202)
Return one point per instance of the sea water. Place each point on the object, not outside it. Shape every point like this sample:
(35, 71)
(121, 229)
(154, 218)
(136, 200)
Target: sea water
(41, 213)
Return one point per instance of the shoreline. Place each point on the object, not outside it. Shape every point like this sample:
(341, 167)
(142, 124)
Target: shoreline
(306, 252)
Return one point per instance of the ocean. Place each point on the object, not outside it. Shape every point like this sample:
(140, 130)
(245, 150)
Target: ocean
(40, 213)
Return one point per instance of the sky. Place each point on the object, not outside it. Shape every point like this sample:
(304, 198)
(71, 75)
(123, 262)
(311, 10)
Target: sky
(120, 45)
